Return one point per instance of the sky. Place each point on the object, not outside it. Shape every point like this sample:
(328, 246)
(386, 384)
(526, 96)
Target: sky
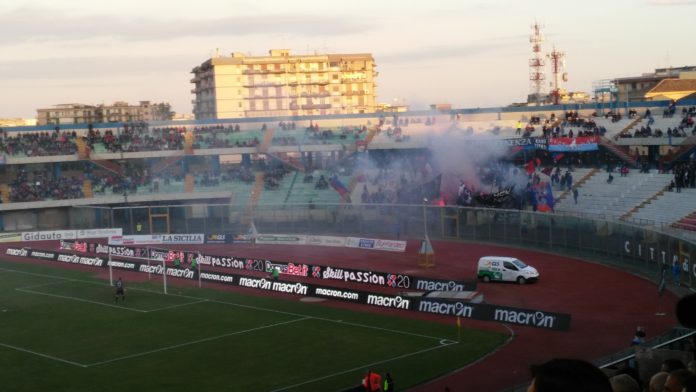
(468, 53)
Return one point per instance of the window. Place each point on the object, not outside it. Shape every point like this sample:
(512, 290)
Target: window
(509, 266)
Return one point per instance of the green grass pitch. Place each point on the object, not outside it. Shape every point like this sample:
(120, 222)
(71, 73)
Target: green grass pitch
(60, 330)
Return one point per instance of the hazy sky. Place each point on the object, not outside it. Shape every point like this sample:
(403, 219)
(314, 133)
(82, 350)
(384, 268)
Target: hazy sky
(464, 52)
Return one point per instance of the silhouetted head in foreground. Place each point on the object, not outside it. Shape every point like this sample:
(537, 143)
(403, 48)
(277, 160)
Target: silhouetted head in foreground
(568, 375)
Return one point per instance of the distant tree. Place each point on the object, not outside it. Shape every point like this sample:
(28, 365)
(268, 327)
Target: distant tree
(162, 112)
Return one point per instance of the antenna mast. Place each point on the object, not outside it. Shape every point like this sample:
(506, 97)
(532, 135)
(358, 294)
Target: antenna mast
(558, 71)
(536, 64)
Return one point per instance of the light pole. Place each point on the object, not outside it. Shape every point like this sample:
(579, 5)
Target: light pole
(425, 221)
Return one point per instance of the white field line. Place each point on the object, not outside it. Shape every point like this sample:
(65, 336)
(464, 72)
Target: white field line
(176, 306)
(24, 350)
(363, 367)
(80, 300)
(248, 307)
(46, 284)
(208, 339)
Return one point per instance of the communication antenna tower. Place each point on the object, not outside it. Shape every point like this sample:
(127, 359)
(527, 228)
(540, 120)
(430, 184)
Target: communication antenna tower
(558, 71)
(536, 63)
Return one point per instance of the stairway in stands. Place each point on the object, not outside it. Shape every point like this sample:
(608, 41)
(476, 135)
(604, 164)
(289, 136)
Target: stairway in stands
(82, 149)
(686, 223)
(267, 141)
(618, 151)
(108, 165)
(87, 189)
(5, 195)
(165, 162)
(189, 183)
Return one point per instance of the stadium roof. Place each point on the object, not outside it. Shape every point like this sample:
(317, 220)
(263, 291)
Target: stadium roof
(674, 89)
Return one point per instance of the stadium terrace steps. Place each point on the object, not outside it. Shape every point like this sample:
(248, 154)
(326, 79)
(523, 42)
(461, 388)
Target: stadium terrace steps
(618, 151)
(685, 147)
(686, 223)
(667, 208)
(617, 199)
(613, 128)
(627, 129)
(580, 176)
(108, 165)
(165, 162)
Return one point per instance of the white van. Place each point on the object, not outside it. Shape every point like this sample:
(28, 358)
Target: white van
(508, 269)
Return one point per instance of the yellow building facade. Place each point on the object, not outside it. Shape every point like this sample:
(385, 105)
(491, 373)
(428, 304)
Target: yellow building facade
(75, 113)
(281, 84)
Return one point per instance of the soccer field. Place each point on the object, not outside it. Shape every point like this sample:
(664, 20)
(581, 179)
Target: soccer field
(60, 330)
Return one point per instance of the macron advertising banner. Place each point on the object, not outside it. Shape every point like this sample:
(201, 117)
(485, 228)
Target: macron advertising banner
(465, 310)
(319, 272)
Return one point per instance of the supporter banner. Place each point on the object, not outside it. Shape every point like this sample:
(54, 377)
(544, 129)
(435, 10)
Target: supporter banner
(376, 244)
(49, 235)
(10, 237)
(528, 143)
(99, 233)
(503, 314)
(483, 312)
(570, 144)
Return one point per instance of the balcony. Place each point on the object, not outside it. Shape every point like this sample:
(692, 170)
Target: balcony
(262, 71)
(264, 84)
(316, 106)
(316, 94)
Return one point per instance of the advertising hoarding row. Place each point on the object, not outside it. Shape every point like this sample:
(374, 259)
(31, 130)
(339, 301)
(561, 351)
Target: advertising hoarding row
(464, 310)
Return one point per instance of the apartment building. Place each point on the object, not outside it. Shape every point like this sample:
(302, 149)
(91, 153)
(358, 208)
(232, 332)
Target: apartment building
(282, 84)
(635, 88)
(75, 113)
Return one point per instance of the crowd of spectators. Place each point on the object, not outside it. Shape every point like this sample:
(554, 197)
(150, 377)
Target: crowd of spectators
(136, 138)
(684, 176)
(39, 143)
(685, 128)
(218, 136)
(37, 185)
(273, 175)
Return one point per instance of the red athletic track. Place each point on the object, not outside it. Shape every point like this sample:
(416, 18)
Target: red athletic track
(606, 304)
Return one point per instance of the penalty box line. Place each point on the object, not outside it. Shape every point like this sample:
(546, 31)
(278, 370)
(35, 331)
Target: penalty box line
(208, 339)
(82, 365)
(38, 354)
(78, 299)
(443, 343)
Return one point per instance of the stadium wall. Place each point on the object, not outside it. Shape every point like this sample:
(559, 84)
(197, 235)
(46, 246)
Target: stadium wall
(646, 251)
